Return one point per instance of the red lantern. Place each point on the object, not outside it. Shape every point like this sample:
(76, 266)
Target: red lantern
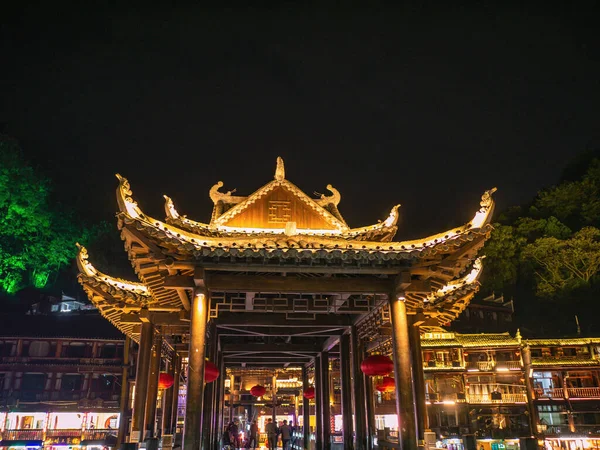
(211, 372)
(377, 365)
(258, 391)
(387, 385)
(309, 393)
(165, 380)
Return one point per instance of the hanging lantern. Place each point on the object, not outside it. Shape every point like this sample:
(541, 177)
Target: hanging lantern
(387, 385)
(165, 380)
(309, 393)
(211, 372)
(258, 391)
(377, 365)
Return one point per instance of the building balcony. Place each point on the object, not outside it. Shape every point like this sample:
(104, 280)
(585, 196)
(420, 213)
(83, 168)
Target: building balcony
(584, 392)
(97, 435)
(23, 435)
(496, 398)
(62, 361)
(572, 393)
(67, 432)
(565, 430)
(480, 366)
(433, 364)
(490, 366)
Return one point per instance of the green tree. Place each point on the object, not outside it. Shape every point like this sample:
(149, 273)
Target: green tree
(37, 237)
(562, 266)
(547, 252)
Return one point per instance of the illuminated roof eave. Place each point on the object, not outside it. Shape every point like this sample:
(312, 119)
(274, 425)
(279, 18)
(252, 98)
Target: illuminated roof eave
(479, 224)
(88, 270)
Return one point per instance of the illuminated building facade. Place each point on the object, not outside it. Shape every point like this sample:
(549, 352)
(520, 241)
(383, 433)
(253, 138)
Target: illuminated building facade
(61, 381)
(278, 281)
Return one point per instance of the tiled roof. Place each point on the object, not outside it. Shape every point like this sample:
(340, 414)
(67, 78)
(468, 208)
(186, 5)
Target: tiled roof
(472, 340)
(542, 362)
(559, 341)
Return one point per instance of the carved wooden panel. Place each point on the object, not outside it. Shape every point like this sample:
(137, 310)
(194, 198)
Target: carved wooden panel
(277, 208)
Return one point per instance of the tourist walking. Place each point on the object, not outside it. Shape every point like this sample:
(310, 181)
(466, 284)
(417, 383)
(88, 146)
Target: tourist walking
(271, 431)
(253, 437)
(286, 434)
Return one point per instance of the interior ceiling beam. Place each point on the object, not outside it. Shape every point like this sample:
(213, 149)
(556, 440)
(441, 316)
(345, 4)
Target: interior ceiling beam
(157, 318)
(270, 348)
(301, 269)
(280, 332)
(273, 320)
(330, 343)
(269, 283)
(266, 359)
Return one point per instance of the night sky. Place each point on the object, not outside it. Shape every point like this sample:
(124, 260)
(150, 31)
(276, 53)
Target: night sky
(423, 106)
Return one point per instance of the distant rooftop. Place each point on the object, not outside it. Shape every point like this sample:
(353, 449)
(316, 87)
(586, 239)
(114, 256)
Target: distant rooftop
(84, 325)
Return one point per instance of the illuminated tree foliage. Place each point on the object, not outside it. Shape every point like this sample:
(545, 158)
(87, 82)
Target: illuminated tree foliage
(552, 246)
(37, 238)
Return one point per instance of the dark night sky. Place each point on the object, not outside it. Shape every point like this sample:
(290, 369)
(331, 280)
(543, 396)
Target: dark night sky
(427, 107)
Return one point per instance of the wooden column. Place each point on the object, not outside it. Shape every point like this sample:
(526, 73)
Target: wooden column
(369, 409)
(420, 408)
(305, 410)
(318, 403)
(531, 406)
(222, 376)
(218, 385)
(326, 407)
(175, 400)
(167, 400)
(358, 393)
(407, 435)
(192, 431)
(208, 407)
(274, 398)
(124, 399)
(345, 359)
(141, 382)
(152, 394)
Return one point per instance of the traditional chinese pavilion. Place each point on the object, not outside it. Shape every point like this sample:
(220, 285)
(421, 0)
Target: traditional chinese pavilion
(280, 263)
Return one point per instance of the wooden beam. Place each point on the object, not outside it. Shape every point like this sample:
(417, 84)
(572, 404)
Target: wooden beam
(330, 343)
(271, 348)
(281, 320)
(302, 269)
(179, 282)
(270, 283)
(155, 318)
(423, 286)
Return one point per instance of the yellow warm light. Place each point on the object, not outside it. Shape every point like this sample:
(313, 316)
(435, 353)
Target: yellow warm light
(89, 270)
(249, 230)
(470, 278)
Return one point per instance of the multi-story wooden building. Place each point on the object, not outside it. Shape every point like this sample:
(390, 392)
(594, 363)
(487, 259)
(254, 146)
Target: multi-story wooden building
(61, 380)
(498, 388)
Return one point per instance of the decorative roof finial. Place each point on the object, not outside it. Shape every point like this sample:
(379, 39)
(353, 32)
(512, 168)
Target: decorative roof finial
(280, 170)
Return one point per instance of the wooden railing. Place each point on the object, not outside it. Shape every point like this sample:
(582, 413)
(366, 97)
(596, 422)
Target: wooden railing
(482, 366)
(497, 398)
(584, 392)
(96, 435)
(23, 435)
(67, 432)
(549, 393)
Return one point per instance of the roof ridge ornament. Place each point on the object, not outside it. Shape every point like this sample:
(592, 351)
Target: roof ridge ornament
(484, 214)
(170, 210)
(280, 170)
(216, 196)
(124, 199)
(333, 199)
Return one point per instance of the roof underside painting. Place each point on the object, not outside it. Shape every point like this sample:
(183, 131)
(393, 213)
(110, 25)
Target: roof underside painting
(281, 251)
